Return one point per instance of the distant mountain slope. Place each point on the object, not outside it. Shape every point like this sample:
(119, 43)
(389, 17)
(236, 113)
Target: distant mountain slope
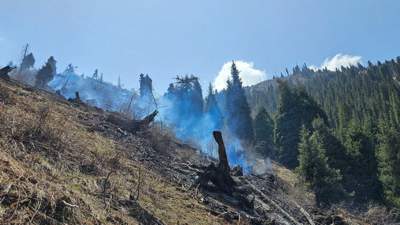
(361, 92)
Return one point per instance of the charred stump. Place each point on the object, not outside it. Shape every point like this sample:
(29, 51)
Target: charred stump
(219, 175)
(77, 99)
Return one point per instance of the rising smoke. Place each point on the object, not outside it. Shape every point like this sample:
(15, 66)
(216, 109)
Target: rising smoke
(182, 108)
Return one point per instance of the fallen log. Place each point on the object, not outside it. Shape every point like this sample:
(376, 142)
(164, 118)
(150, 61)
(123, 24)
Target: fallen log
(129, 125)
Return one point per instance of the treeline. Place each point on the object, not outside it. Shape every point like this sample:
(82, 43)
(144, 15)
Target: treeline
(338, 129)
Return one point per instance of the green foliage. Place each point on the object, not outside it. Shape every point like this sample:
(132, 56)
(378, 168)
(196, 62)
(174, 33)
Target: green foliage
(354, 99)
(361, 173)
(237, 108)
(296, 108)
(264, 131)
(389, 162)
(314, 169)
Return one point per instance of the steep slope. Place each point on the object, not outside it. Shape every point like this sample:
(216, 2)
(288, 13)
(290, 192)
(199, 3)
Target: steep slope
(62, 162)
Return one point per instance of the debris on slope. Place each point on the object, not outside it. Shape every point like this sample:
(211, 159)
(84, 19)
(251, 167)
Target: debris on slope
(62, 162)
(5, 71)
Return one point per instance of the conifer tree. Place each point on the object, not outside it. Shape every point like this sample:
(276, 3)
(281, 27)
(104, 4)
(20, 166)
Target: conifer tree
(46, 73)
(263, 131)
(212, 109)
(238, 117)
(314, 169)
(27, 62)
(335, 151)
(296, 108)
(389, 162)
(361, 174)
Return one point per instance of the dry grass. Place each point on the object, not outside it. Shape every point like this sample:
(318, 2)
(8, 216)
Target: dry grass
(43, 148)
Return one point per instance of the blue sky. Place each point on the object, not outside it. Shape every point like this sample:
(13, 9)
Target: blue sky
(169, 38)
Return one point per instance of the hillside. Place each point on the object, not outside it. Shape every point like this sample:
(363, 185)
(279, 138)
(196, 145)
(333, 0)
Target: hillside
(360, 92)
(64, 162)
(348, 118)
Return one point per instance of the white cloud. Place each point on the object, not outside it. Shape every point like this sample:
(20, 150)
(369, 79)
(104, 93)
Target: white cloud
(248, 74)
(337, 61)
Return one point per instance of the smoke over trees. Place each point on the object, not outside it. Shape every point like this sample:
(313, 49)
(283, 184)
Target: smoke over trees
(186, 101)
(46, 73)
(212, 109)
(28, 62)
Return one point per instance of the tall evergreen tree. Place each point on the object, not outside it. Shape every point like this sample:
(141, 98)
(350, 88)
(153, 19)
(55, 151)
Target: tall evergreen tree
(237, 108)
(27, 62)
(212, 109)
(46, 73)
(335, 150)
(187, 104)
(314, 169)
(389, 162)
(361, 175)
(296, 108)
(264, 132)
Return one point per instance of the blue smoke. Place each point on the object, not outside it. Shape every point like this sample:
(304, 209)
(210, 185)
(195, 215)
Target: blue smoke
(183, 112)
(93, 91)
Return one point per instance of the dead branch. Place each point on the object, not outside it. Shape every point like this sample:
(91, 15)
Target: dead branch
(272, 202)
(69, 204)
(305, 213)
(129, 125)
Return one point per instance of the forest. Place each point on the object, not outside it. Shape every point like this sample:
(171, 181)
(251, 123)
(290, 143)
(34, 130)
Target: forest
(338, 130)
(345, 124)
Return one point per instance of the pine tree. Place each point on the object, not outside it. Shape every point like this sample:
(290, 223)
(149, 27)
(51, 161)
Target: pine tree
(212, 109)
(361, 174)
(46, 73)
(27, 62)
(314, 169)
(186, 101)
(335, 150)
(389, 162)
(296, 108)
(238, 117)
(264, 131)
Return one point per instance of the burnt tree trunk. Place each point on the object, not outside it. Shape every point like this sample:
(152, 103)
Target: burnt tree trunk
(223, 159)
(219, 176)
